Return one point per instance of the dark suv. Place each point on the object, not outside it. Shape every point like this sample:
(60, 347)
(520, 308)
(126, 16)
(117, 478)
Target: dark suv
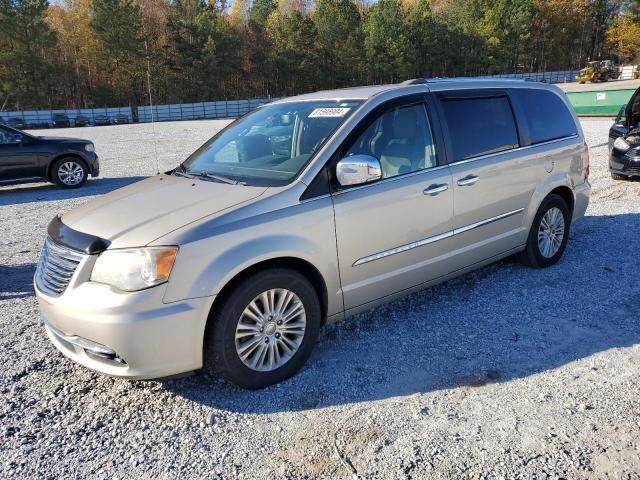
(624, 141)
(27, 158)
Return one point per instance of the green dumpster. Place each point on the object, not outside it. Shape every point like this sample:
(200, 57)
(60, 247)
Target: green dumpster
(599, 102)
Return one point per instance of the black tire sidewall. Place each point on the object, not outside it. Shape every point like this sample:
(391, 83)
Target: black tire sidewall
(56, 167)
(534, 255)
(220, 351)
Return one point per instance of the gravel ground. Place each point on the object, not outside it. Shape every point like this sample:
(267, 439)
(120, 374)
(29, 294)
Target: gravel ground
(507, 372)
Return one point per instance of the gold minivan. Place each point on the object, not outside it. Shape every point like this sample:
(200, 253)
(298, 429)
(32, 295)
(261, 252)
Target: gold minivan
(306, 211)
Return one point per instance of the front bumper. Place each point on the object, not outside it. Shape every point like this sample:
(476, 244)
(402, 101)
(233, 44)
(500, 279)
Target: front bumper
(624, 164)
(94, 165)
(132, 335)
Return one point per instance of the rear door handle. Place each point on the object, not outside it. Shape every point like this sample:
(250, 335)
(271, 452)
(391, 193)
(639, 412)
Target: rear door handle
(435, 189)
(468, 180)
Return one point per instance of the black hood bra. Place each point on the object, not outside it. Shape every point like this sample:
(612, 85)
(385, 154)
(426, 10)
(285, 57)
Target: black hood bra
(80, 241)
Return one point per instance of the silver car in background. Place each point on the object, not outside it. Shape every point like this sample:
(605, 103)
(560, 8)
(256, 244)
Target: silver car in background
(305, 211)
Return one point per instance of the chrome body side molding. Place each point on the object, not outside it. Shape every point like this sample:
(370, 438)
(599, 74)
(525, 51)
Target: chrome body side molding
(435, 238)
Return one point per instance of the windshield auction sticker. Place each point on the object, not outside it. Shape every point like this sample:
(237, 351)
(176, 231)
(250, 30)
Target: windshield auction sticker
(329, 112)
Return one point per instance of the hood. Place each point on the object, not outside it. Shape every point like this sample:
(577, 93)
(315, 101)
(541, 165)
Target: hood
(64, 139)
(136, 215)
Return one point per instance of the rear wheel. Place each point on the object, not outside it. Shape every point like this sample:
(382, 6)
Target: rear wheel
(69, 172)
(549, 233)
(617, 176)
(264, 330)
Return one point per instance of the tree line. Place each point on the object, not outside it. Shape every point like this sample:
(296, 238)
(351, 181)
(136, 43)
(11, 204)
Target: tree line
(94, 53)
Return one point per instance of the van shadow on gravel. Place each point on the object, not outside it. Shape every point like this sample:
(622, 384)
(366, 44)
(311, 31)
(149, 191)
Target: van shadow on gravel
(47, 192)
(16, 281)
(500, 323)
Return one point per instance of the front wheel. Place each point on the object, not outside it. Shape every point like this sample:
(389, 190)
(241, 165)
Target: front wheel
(69, 172)
(264, 330)
(549, 233)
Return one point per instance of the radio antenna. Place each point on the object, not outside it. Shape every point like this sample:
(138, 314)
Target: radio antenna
(153, 124)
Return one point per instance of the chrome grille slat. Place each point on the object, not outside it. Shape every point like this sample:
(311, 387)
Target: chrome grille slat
(64, 255)
(62, 264)
(56, 274)
(58, 271)
(56, 267)
(57, 282)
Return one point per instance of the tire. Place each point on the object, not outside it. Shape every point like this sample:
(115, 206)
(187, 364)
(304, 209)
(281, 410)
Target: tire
(222, 348)
(69, 172)
(617, 176)
(534, 254)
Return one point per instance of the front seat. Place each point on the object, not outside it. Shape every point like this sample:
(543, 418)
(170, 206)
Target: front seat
(253, 146)
(404, 153)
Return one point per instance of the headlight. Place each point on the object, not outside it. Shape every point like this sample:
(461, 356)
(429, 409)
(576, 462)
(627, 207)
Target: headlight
(89, 147)
(621, 144)
(132, 269)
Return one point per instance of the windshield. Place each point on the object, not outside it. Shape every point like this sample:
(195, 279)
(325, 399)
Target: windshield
(270, 145)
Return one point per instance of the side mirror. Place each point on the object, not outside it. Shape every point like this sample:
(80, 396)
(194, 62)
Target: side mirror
(358, 170)
(17, 138)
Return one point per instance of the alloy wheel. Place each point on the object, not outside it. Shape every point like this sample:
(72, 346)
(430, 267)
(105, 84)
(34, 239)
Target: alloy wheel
(270, 330)
(551, 232)
(71, 173)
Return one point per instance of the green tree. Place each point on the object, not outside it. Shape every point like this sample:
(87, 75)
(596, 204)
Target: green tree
(386, 43)
(118, 28)
(339, 43)
(260, 11)
(26, 42)
(204, 53)
(292, 56)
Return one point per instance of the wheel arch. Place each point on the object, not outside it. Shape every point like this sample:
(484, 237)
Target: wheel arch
(566, 194)
(303, 267)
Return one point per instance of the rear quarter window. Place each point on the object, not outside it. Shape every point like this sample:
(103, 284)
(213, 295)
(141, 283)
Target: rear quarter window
(547, 116)
(480, 126)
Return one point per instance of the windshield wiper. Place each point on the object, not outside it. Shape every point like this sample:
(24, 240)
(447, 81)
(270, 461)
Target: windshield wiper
(180, 171)
(218, 178)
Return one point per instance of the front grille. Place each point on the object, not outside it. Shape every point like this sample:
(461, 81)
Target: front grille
(56, 266)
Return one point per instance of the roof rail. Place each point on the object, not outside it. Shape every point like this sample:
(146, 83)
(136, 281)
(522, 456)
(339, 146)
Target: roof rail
(415, 81)
(424, 81)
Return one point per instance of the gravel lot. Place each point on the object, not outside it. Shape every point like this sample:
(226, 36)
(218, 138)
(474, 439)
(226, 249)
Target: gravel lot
(504, 373)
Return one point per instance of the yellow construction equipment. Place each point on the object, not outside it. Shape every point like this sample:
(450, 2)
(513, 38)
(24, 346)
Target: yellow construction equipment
(597, 71)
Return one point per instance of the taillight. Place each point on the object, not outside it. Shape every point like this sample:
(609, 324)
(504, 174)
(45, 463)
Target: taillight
(586, 160)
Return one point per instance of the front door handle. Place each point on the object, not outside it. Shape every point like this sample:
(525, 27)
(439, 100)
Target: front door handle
(435, 189)
(468, 180)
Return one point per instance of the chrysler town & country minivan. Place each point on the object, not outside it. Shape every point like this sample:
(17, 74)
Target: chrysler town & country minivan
(303, 212)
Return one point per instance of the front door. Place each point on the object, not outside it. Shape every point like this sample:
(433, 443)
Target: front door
(17, 159)
(395, 233)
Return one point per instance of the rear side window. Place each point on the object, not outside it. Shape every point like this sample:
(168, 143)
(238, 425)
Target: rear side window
(480, 126)
(546, 115)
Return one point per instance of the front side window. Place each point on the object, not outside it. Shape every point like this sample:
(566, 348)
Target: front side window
(546, 115)
(272, 144)
(8, 136)
(400, 138)
(480, 126)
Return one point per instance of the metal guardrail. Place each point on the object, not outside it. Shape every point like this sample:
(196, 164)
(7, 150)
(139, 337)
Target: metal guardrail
(202, 110)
